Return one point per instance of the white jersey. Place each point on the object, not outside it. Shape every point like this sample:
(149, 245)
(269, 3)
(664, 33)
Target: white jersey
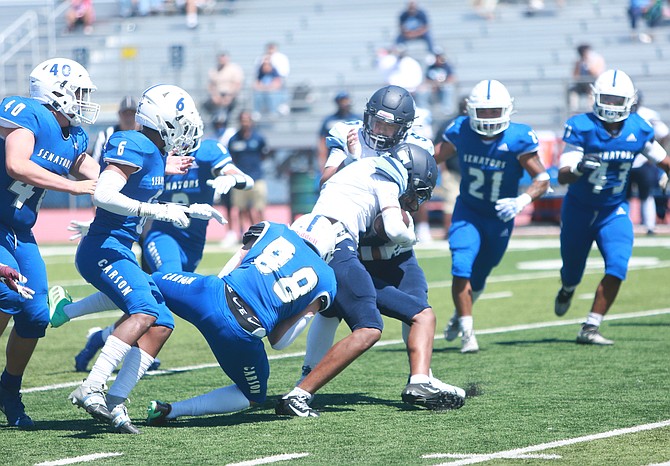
(361, 190)
(338, 151)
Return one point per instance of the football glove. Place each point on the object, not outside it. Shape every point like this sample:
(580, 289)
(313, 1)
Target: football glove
(80, 228)
(588, 164)
(663, 182)
(205, 212)
(14, 281)
(222, 184)
(168, 212)
(508, 207)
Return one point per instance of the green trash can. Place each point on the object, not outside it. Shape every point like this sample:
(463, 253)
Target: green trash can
(304, 192)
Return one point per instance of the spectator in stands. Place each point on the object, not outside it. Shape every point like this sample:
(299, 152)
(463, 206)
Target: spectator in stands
(80, 12)
(267, 89)
(248, 149)
(636, 12)
(224, 87)
(438, 85)
(414, 25)
(343, 113)
(128, 8)
(278, 59)
(587, 68)
(399, 69)
(485, 8)
(126, 122)
(645, 174)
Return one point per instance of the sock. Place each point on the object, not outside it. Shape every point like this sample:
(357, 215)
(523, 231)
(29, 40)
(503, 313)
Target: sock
(320, 338)
(110, 357)
(222, 400)
(11, 383)
(569, 288)
(594, 319)
(649, 213)
(107, 331)
(419, 378)
(297, 391)
(405, 332)
(95, 342)
(97, 302)
(135, 365)
(466, 323)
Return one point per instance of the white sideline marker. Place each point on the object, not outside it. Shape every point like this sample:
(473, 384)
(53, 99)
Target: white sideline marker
(79, 459)
(510, 457)
(474, 459)
(270, 459)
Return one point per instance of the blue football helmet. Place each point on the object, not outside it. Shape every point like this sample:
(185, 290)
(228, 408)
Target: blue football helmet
(422, 175)
(388, 116)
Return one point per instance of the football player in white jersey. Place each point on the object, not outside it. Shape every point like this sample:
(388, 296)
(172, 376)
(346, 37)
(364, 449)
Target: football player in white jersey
(352, 199)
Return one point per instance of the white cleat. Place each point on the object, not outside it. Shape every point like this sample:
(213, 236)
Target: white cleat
(469, 342)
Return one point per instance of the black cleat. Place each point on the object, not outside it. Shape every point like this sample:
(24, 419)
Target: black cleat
(431, 397)
(295, 406)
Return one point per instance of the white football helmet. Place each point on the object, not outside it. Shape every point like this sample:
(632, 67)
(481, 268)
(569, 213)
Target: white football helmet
(487, 95)
(66, 86)
(613, 96)
(318, 232)
(171, 111)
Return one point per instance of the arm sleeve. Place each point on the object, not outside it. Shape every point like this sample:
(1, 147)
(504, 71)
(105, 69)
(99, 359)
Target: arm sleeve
(654, 151)
(108, 195)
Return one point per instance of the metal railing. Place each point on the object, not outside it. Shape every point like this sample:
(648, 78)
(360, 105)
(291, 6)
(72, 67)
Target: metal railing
(22, 34)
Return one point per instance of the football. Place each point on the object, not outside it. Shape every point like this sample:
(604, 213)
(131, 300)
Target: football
(378, 225)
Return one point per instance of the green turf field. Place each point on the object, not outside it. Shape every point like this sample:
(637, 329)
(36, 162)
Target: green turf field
(537, 397)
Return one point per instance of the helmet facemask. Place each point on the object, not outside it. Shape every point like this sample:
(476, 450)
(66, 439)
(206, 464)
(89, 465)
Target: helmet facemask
(489, 108)
(381, 132)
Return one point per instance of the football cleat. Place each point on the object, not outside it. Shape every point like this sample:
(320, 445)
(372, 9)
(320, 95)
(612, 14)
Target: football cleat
(295, 406)
(453, 329)
(58, 299)
(15, 410)
(445, 387)
(431, 397)
(563, 300)
(93, 401)
(589, 335)
(94, 342)
(121, 421)
(155, 365)
(157, 413)
(469, 342)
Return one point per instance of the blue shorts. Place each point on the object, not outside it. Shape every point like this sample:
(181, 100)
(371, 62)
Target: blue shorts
(477, 244)
(111, 267)
(402, 290)
(581, 225)
(31, 316)
(356, 299)
(241, 355)
(164, 253)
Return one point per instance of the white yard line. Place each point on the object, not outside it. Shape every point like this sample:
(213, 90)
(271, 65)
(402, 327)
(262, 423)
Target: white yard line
(78, 459)
(491, 331)
(474, 459)
(270, 459)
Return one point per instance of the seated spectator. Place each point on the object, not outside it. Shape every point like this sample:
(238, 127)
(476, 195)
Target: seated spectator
(438, 85)
(128, 8)
(224, 86)
(414, 25)
(267, 89)
(80, 12)
(587, 68)
(399, 69)
(343, 113)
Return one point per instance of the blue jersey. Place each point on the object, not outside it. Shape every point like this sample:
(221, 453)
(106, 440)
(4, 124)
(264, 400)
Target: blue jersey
(490, 169)
(607, 185)
(248, 153)
(192, 188)
(134, 149)
(281, 275)
(20, 202)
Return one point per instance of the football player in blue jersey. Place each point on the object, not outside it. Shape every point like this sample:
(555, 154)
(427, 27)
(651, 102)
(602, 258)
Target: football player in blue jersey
(600, 147)
(271, 287)
(41, 143)
(133, 177)
(399, 280)
(493, 153)
(168, 247)
(352, 198)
